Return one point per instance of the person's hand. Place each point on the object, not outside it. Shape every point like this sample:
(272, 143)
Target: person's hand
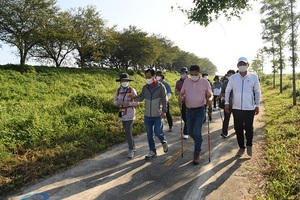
(130, 95)
(208, 102)
(226, 108)
(163, 115)
(256, 110)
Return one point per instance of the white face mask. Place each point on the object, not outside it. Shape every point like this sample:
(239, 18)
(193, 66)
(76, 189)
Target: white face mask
(205, 77)
(183, 76)
(149, 81)
(194, 78)
(243, 68)
(158, 78)
(125, 84)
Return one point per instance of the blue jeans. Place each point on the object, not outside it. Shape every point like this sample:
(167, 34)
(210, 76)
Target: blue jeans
(154, 124)
(194, 119)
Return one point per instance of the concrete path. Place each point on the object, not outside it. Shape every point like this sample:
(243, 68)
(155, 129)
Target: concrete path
(111, 175)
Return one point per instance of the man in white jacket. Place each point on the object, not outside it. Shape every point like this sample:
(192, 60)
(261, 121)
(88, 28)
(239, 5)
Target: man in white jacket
(246, 92)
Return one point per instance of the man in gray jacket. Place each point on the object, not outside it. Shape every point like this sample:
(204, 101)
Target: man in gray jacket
(155, 96)
(246, 91)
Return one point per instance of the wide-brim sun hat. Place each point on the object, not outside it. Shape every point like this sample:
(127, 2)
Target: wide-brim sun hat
(124, 76)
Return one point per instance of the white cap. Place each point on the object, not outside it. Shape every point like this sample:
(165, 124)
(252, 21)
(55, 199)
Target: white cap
(243, 59)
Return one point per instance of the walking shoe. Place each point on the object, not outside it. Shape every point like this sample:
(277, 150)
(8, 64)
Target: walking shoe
(170, 129)
(196, 159)
(186, 137)
(224, 135)
(249, 150)
(240, 152)
(130, 153)
(150, 155)
(134, 149)
(165, 147)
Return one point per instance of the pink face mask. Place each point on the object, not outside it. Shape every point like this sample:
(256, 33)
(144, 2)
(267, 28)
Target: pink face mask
(183, 76)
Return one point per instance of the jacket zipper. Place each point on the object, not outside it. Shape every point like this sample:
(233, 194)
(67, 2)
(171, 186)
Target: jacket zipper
(242, 94)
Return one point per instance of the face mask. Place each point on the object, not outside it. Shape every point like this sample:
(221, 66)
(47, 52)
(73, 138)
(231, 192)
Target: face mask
(205, 77)
(158, 78)
(194, 78)
(125, 84)
(243, 68)
(149, 81)
(183, 76)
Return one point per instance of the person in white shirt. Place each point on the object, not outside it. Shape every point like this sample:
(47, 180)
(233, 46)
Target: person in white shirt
(246, 92)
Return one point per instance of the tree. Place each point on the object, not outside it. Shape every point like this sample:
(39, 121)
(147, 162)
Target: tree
(57, 40)
(206, 11)
(134, 49)
(167, 53)
(258, 63)
(88, 29)
(21, 20)
(276, 23)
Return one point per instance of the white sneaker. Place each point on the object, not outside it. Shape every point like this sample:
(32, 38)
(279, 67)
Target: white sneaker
(130, 153)
(165, 147)
(185, 137)
(150, 155)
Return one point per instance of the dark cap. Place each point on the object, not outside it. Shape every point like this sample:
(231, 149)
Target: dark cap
(159, 73)
(184, 69)
(124, 76)
(204, 74)
(231, 72)
(195, 68)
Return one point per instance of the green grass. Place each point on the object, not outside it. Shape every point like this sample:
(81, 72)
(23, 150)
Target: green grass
(283, 139)
(53, 118)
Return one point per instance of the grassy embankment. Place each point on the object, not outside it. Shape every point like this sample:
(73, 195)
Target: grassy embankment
(53, 118)
(283, 140)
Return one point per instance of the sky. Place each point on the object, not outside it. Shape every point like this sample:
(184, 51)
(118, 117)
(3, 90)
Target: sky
(222, 41)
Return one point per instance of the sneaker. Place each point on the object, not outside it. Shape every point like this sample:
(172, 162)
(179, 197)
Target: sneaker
(130, 153)
(196, 159)
(249, 150)
(224, 135)
(165, 147)
(134, 149)
(170, 129)
(240, 153)
(150, 155)
(186, 137)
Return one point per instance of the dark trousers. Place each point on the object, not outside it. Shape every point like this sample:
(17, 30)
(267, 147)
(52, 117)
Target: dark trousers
(183, 115)
(226, 121)
(243, 120)
(169, 117)
(215, 101)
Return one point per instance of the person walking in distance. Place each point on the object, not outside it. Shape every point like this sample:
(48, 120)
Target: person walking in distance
(208, 107)
(161, 78)
(245, 88)
(222, 95)
(216, 89)
(195, 92)
(155, 96)
(126, 109)
(183, 76)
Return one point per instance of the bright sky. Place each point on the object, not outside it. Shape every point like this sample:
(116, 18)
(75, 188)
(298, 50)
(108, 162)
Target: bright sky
(221, 42)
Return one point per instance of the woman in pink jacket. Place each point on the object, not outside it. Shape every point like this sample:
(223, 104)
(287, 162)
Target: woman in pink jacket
(127, 110)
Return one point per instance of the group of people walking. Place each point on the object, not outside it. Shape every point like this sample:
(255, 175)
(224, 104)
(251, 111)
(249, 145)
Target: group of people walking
(239, 92)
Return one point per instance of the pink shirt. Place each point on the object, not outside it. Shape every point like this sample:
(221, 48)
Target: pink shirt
(196, 92)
